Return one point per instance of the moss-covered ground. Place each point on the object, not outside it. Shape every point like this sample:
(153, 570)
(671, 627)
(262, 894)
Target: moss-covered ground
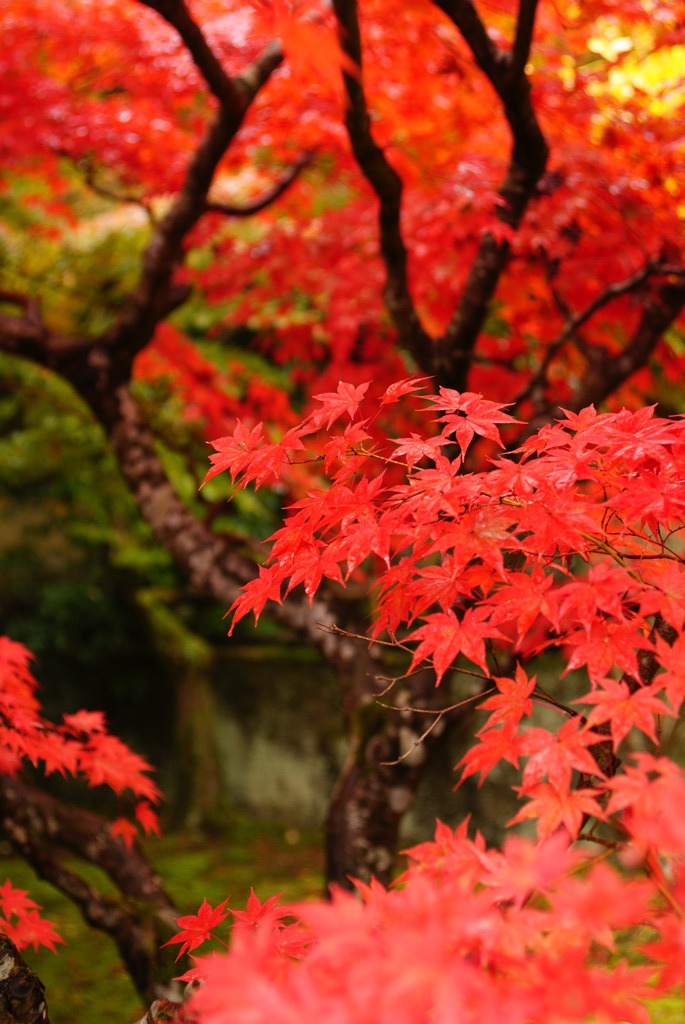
(85, 982)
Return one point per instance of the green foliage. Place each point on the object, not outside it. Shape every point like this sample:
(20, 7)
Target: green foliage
(73, 550)
(78, 273)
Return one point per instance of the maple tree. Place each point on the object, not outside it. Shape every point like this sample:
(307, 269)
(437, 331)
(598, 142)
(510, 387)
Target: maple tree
(471, 933)
(490, 196)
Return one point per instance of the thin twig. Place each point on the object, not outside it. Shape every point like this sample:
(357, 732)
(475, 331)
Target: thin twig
(575, 321)
(267, 197)
(439, 715)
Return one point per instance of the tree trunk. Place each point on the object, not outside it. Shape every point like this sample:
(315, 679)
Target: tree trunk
(22, 999)
(382, 769)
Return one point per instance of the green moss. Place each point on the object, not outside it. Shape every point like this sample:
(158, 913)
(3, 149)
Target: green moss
(85, 980)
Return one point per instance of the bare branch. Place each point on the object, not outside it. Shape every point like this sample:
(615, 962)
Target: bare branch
(489, 58)
(523, 38)
(267, 197)
(575, 321)
(116, 197)
(438, 713)
(387, 185)
(29, 337)
(148, 304)
(506, 73)
(226, 89)
(152, 299)
(29, 305)
(660, 310)
(215, 564)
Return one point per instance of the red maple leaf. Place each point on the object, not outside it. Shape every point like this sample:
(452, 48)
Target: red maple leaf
(672, 658)
(197, 928)
(32, 930)
(15, 901)
(603, 590)
(605, 644)
(494, 745)
(522, 598)
(443, 637)
(615, 703)
(646, 793)
(255, 594)
(148, 818)
(556, 755)
(512, 701)
(668, 595)
(256, 911)
(344, 401)
(125, 830)
(109, 762)
(236, 451)
(85, 722)
(402, 387)
(468, 414)
(553, 806)
(415, 448)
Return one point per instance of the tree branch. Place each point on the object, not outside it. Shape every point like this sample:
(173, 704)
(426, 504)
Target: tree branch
(387, 185)
(490, 59)
(660, 310)
(214, 563)
(506, 73)
(151, 300)
(111, 194)
(574, 321)
(226, 89)
(523, 38)
(37, 825)
(269, 196)
(607, 371)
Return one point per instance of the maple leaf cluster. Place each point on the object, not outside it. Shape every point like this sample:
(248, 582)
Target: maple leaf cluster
(569, 548)
(468, 933)
(306, 275)
(78, 745)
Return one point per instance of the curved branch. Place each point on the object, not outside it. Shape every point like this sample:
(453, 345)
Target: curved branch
(490, 59)
(387, 185)
(607, 371)
(214, 564)
(226, 89)
(506, 73)
(269, 196)
(610, 371)
(113, 195)
(149, 302)
(152, 299)
(574, 321)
